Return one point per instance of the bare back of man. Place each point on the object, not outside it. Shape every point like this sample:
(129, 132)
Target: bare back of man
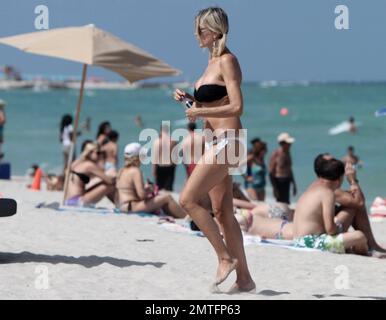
(315, 225)
(308, 218)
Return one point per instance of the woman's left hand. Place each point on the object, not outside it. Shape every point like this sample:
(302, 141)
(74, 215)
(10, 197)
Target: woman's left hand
(191, 113)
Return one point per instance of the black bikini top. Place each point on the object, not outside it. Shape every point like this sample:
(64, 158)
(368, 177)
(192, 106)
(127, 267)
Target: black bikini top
(83, 177)
(210, 93)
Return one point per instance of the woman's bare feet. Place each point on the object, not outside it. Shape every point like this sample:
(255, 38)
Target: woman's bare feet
(225, 267)
(238, 287)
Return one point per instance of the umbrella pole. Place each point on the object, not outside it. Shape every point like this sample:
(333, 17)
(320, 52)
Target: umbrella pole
(75, 132)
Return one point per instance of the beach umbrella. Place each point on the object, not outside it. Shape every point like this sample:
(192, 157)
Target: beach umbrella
(91, 46)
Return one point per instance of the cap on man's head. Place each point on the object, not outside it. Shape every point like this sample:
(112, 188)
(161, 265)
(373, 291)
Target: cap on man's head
(132, 149)
(285, 137)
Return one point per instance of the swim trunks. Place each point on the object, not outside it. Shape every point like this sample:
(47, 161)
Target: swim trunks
(322, 242)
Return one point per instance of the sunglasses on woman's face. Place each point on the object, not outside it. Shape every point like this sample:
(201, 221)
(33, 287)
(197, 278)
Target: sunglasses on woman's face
(201, 31)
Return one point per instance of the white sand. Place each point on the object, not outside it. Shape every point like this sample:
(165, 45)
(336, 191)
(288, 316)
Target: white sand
(95, 256)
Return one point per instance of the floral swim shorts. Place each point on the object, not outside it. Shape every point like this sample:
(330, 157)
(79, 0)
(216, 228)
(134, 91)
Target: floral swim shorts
(322, 242)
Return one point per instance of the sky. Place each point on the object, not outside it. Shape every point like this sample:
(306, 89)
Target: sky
(285, 40)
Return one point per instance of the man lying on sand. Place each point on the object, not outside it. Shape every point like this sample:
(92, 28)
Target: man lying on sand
(314, 221)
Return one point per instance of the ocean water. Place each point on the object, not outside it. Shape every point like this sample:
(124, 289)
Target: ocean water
(32, 128)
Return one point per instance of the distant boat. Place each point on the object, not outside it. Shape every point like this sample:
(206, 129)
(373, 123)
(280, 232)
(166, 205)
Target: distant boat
(268, 84)
(91, 85)
(14, 84)
(381, 112)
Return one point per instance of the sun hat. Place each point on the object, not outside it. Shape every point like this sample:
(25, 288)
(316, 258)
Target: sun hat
(134, 150)
(285, 137)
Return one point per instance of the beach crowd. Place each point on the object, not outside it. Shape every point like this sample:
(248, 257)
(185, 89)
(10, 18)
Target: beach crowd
(326, 217)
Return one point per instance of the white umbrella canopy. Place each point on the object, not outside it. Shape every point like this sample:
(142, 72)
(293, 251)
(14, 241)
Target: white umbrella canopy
(91, 46)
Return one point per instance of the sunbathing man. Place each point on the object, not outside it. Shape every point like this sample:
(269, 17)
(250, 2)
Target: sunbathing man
(314, 224)
(134, 196)
(351, 209)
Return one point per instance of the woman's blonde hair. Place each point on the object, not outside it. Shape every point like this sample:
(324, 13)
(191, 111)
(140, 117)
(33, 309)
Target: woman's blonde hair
(88, 148)
(216, 20)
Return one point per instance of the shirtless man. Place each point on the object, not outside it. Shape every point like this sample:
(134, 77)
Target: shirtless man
(351, 209)
(280, 169)
(193, 148)
(315, 225)
(111, 153)
(163, 165)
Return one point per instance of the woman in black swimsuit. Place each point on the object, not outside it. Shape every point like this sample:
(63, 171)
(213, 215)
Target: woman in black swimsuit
(217, 99)
(82, 170)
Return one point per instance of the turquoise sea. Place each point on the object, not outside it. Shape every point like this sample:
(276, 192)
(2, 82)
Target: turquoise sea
(32, 128)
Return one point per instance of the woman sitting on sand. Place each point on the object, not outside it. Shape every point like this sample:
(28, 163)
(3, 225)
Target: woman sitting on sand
(82, 170)
(134, 196)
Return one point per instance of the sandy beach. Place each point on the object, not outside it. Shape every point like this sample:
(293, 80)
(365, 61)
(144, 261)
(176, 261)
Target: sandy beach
(46, 254)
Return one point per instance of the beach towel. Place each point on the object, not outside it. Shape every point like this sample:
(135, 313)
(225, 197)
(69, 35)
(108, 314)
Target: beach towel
(96, 210)
(248, 239)
(179, 228)
(287, 244)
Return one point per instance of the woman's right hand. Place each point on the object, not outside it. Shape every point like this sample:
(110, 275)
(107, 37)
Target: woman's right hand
(179, 95)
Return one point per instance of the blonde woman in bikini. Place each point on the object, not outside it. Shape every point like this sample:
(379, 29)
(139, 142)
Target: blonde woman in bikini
(218, 100)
